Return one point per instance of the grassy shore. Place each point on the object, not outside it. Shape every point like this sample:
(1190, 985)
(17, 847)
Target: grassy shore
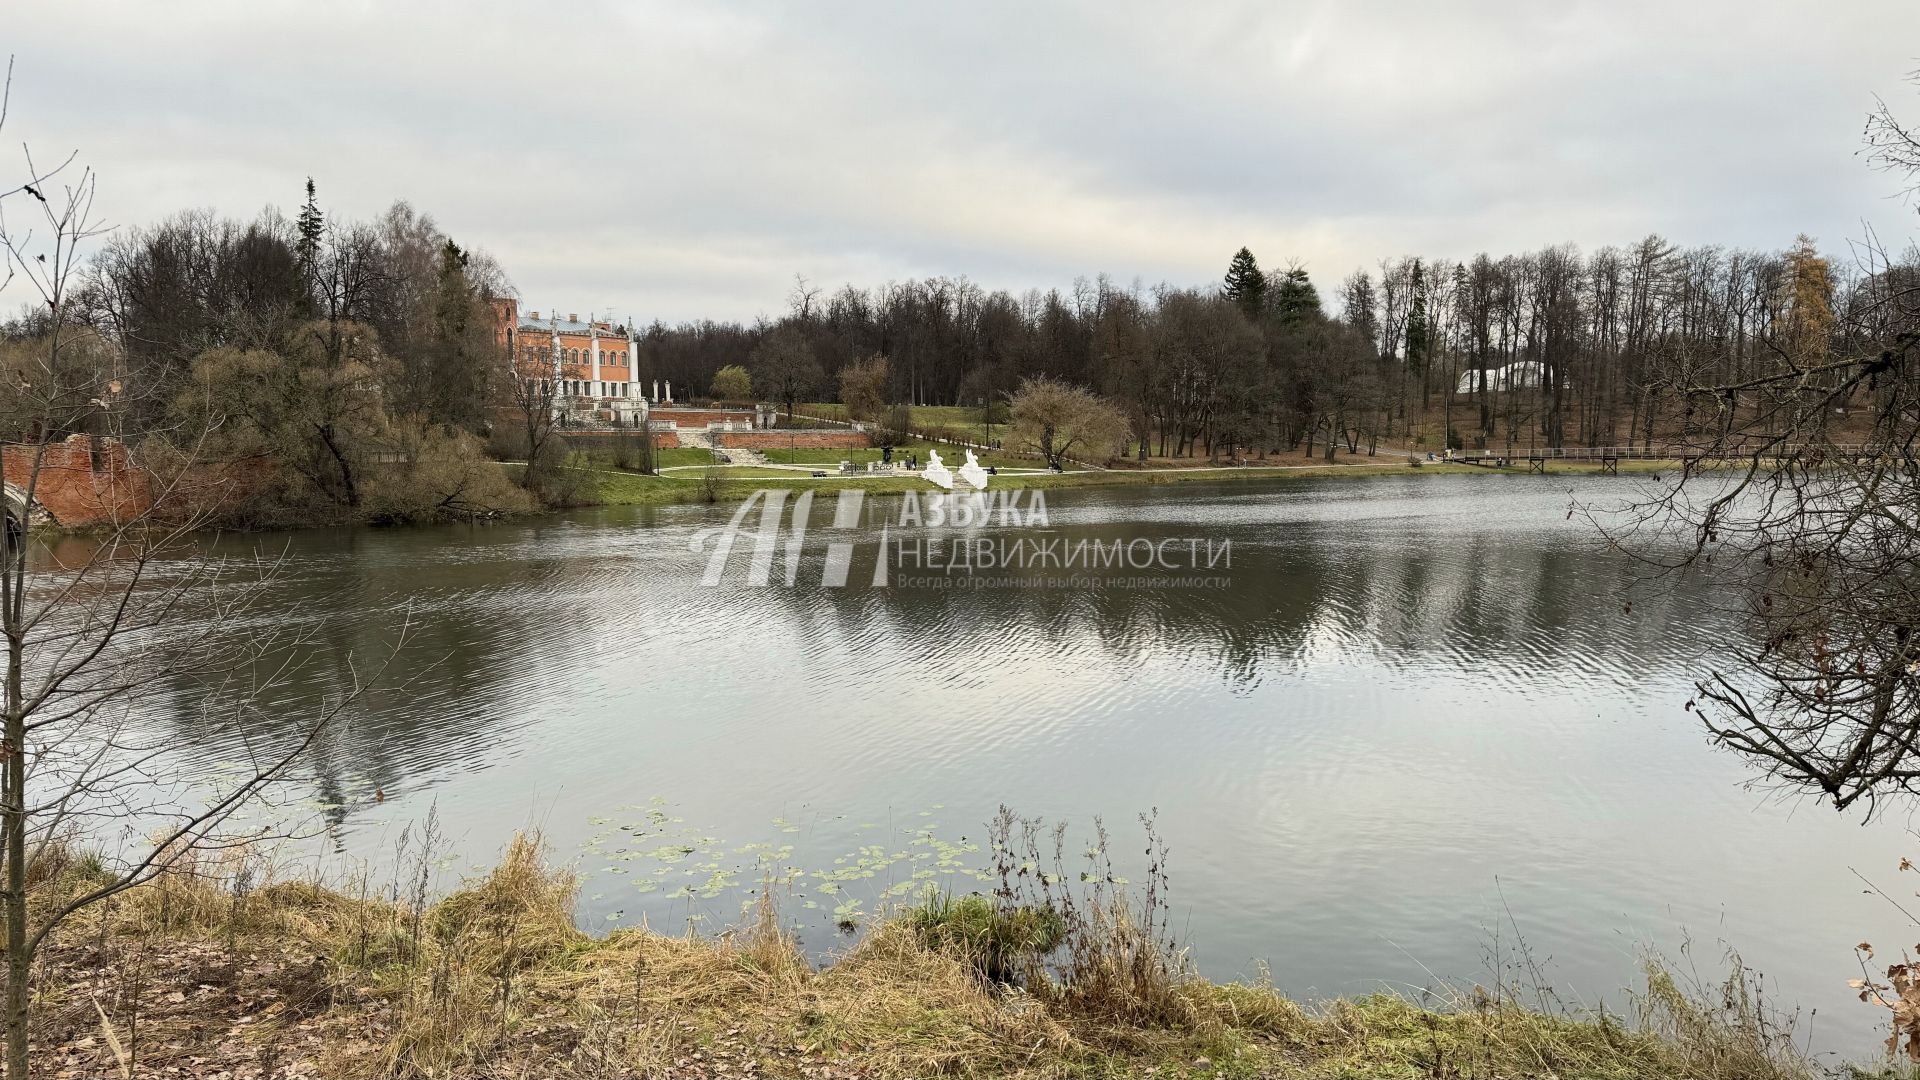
(620, 488)
(221, 970)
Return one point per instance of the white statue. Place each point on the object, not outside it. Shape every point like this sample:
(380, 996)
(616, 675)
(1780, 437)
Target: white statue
(972, 473)
(937, 470)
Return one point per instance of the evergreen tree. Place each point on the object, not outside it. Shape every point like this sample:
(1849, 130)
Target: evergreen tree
(453, 301)
(1362, 306)
(1295, 300)
(1245, 284)
(311, 224)
(1417, 329)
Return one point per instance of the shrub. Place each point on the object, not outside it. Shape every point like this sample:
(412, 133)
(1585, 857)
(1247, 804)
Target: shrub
(436, 474)
(507, 442)
(894, 427)
(1119, 960)
(561, 476)
(1003, 944)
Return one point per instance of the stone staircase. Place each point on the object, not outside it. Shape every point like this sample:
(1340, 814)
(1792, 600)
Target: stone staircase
(732, 455)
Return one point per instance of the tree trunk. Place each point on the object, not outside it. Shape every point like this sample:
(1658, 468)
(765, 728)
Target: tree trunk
(13, 822)
(348, 489)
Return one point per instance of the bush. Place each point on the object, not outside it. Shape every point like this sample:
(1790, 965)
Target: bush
(1002, 944)
(561, 476)
(507, 442)
(1120, 962)
(633, 451)
(893, 428)
(438, 474)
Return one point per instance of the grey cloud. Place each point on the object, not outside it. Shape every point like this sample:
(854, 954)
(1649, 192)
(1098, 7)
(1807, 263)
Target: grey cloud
(685, 161)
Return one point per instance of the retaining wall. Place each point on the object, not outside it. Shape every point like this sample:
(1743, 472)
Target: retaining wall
(700, 418)
(793, 440)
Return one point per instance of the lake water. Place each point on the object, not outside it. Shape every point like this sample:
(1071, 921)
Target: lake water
(1418, 716)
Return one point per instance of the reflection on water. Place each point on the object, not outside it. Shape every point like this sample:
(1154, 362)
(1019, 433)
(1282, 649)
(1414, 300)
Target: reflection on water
(1420, 703)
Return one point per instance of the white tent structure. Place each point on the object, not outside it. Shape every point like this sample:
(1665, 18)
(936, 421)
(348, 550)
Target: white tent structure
(1518, 376)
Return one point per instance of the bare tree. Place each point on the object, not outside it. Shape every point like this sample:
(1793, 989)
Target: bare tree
(784, 367)
(1815, 528)
(89, 641)
(866, 387)
(1057, 419)
(533, 393)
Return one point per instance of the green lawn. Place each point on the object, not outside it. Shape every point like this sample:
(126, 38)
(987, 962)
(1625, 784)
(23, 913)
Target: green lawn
(962, 421)
(954, 457)
(683, 455)
(666, 457)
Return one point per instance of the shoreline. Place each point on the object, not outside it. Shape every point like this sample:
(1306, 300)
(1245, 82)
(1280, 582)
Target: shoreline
(221, 969)
(685, 486)
(626, 488)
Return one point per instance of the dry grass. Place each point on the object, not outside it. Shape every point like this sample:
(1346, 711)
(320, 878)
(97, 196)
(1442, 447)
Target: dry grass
(222, 970)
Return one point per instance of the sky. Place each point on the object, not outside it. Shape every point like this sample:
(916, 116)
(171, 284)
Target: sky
(686, 161)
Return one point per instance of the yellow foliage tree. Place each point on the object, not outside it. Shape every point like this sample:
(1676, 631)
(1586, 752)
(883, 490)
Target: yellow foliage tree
(1809, 301)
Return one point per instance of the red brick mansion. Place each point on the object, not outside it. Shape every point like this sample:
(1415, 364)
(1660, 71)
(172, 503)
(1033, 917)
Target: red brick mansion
(592, 361)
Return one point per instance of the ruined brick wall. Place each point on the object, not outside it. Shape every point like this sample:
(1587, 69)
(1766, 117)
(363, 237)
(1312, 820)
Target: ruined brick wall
(80, 482)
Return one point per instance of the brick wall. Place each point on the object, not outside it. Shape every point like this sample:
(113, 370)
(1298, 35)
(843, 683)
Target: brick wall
(80, 483)
(793, 440)
(700, 418)
(603, 439)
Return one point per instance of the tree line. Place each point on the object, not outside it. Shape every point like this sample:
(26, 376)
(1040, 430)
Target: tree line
(338, 370)
(360, 360)
(1554, 347)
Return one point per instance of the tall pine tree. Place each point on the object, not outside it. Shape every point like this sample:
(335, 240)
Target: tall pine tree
(1245, 284)
(311, 225)
(1295, 300)
(1417, 330)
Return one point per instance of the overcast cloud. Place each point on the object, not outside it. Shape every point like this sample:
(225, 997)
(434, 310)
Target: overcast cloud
(685, 161)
